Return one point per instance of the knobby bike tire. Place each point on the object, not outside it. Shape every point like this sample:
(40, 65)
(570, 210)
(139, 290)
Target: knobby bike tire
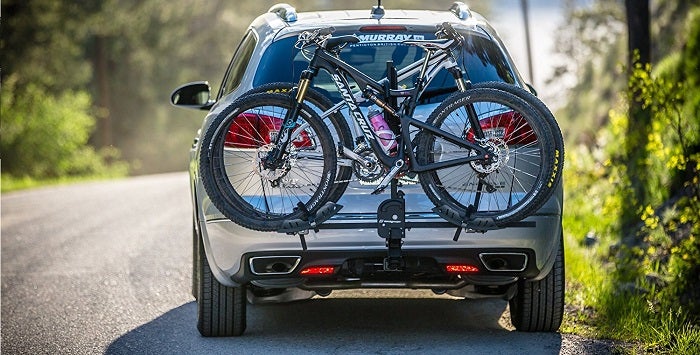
(515, 184)
(336, 122)
(545, 115)
(230, 163)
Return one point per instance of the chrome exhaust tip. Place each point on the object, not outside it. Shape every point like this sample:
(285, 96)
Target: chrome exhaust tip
(513, 262)
(273, 265)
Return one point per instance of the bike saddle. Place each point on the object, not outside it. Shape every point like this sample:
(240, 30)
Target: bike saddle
(430, 44)
(334, 42)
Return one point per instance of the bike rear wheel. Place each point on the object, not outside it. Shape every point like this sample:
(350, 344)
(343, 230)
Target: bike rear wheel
(231, 162)
(544, 113)
(520, 175)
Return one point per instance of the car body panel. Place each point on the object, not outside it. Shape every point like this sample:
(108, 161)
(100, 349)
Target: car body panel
(226, 243)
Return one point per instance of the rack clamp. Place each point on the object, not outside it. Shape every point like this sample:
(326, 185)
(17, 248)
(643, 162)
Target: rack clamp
(464, 220)
(301, 226)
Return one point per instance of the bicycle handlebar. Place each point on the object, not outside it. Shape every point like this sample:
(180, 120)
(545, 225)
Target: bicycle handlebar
(317, 37)
(447, 31)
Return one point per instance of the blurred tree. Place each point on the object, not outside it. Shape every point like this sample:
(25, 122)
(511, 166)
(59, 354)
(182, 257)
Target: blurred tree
(129, 55)
(43, 44)
(590, 44)
(46, 109)
(638, 128)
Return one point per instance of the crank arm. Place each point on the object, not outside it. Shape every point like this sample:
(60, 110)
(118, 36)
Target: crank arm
(354, 156)
(388, 177)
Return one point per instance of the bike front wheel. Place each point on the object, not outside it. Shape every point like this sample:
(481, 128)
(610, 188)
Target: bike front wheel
(519, 175)
(335, 121)
(260, 196)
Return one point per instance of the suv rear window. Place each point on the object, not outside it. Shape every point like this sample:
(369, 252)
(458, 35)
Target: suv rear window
(481, 60)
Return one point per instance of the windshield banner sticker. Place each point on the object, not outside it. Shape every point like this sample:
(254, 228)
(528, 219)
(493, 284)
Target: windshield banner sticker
(388, 37)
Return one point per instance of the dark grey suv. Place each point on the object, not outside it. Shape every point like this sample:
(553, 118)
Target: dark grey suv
(234, 266)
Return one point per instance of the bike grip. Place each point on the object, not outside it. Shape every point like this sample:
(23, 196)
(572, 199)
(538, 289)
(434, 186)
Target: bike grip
(447, 26)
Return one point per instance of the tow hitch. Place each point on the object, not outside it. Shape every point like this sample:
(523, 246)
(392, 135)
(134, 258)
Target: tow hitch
(391, 225)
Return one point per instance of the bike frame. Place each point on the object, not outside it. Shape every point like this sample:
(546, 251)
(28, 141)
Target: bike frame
(380, 92)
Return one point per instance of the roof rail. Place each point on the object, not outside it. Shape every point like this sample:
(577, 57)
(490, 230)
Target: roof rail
(461, 10)
(284, 11)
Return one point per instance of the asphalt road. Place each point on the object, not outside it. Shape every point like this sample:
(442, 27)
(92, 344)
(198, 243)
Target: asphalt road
(105, 267)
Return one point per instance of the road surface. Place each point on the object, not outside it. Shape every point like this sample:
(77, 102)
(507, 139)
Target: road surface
(105, 267)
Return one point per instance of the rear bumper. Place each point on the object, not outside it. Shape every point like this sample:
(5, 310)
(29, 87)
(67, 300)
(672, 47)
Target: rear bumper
(230, 247)
(421, 268)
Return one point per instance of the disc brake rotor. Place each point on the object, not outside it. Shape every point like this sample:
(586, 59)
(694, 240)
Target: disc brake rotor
(271, 175)
(500, 156)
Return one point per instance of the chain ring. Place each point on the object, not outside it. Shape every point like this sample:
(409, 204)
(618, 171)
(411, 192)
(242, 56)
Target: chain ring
(366, 175)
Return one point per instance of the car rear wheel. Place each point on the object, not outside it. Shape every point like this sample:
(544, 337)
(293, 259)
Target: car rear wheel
(538, 306)
(195, 259)
(221, 310)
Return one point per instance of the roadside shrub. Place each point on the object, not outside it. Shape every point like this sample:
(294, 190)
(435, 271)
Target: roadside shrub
(45, 136)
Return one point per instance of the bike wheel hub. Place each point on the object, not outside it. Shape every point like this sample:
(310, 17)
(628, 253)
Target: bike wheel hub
(271, 175)
(499, 156)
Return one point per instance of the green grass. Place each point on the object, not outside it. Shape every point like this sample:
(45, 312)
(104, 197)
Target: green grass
(597, 307)
(608, 296)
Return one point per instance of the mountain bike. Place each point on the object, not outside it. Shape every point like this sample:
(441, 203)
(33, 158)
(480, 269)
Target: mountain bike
(487, 156)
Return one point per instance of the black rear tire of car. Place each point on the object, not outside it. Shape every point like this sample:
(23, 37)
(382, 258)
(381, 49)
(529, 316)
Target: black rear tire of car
(195, 259)
(538, 306)
(221, 310)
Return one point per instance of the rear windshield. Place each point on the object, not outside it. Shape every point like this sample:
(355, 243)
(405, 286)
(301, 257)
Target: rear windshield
(481, 60)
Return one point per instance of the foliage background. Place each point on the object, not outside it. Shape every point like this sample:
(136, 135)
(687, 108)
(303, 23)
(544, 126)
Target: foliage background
(115, 63)
(633, 244)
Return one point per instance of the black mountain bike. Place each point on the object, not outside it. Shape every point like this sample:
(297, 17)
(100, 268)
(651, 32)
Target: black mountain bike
(487, 156)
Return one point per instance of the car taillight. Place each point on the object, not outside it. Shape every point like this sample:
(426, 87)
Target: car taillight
(250, 130)
(318, 270)
(461, 269)
(509, 127)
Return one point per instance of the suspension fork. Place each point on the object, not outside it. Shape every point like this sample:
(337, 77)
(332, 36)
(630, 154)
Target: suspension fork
(274, 157)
